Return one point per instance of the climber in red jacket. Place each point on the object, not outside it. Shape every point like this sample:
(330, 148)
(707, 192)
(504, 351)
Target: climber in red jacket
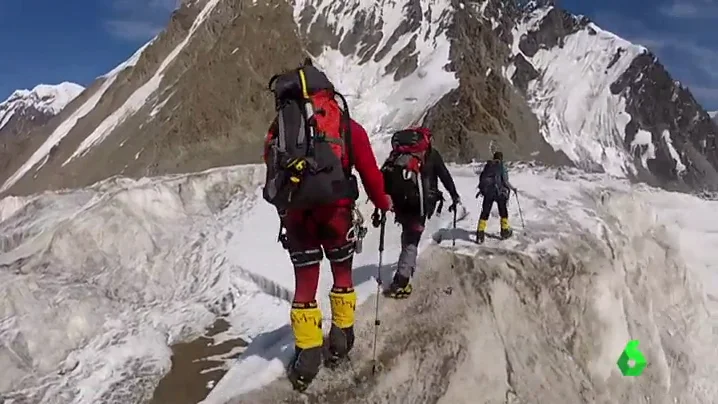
(326, 229)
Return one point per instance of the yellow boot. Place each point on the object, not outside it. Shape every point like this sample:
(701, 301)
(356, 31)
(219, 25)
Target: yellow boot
(306, 320)
(341, 334)
(481, 231)
(506, 231)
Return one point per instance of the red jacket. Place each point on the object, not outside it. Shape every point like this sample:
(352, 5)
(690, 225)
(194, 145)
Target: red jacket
(365, 164)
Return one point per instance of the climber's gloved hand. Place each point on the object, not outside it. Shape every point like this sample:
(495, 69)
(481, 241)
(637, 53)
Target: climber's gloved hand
(377, 218)
(455, 202)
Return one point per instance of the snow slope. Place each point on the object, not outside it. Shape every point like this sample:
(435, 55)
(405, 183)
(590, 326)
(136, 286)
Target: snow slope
(379, 102)
(572, 98)
(140, 97)
(132, 266)
(44, 98)
(560, 209)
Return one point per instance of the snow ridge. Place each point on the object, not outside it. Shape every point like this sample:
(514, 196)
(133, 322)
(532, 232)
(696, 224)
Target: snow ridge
(44, 98)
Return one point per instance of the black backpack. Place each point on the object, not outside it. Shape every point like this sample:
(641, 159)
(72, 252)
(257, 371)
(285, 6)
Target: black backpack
(311, 135)
(491, 180)
(402, 170)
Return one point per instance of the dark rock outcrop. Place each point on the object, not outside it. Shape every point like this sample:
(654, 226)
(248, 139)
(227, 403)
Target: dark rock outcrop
(657, 103)
(683, 136)
(486, 113)
(553, 29)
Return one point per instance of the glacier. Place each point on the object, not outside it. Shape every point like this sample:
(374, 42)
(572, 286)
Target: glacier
(131, 266)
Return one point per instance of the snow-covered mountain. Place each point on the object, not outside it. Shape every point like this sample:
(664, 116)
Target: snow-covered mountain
(610, 104)
(536, 81)
(25, 114)
(714, 116)
(39, 104)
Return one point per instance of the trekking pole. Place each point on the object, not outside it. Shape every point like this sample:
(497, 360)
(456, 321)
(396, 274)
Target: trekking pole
(521, 214)
(377, 322)
(453, 231)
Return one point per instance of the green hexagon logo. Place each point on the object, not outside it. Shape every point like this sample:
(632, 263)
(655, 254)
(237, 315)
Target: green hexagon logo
(631, 362)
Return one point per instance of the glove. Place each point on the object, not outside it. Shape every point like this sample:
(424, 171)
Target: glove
(377, 218)
(454, 204)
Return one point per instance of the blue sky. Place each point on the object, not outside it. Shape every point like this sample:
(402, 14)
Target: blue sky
(50, 41)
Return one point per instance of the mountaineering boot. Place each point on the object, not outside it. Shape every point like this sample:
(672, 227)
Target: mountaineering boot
(341, 334)
(481, 231)
(400, 287)
(506, 231)
(306, 319)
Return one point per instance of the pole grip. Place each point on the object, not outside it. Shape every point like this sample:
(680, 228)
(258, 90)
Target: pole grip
(382, 231)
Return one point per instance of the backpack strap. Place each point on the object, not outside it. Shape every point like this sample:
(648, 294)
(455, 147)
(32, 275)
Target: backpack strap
(303, 82)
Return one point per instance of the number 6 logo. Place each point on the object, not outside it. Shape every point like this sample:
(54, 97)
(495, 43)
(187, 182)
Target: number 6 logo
(631, 362)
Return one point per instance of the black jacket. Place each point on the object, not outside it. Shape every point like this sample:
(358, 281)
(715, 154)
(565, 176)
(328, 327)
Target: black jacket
(434, 171)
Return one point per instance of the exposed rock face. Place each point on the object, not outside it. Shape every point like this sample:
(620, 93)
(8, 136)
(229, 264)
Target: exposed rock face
(679, 126)
(27, 110)
(481, 113)
(486, 113)
(194, 98)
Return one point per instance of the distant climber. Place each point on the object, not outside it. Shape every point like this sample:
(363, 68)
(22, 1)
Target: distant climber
(494, 185)
(411, 174)
(310, 151)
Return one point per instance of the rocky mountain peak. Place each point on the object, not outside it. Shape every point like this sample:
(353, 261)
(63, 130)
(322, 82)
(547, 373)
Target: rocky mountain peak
(609, 104)
(25, 113)
(38, 104)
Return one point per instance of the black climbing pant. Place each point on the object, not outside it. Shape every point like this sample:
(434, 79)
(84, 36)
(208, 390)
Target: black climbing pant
(488, 203)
